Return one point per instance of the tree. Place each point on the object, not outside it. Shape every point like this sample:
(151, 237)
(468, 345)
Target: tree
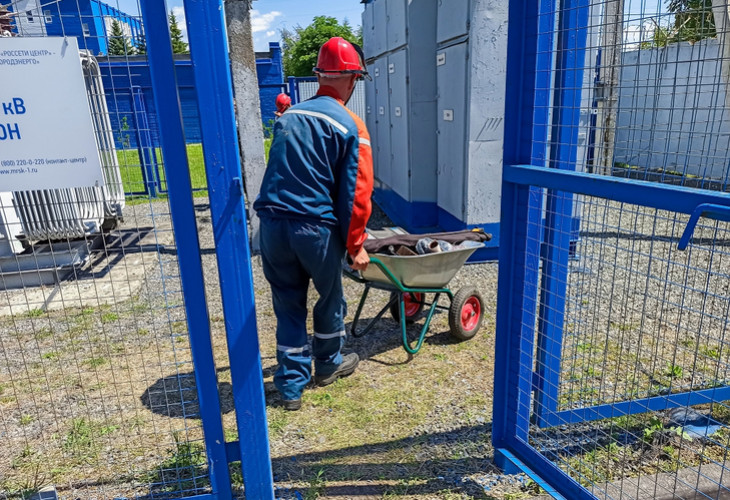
(140, 45)
(693, 20)
(178, 46)
(302, 46)
(119, 44)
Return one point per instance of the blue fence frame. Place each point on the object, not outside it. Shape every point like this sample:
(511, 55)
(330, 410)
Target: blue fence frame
(525, 177)
(184, 224)
(209, 48)
(293, 83)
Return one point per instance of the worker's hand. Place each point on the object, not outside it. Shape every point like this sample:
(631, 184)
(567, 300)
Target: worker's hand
(360, 261)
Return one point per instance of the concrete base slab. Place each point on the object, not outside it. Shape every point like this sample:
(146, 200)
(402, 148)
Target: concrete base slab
(706, 482)
(115, 272)
(48, 264)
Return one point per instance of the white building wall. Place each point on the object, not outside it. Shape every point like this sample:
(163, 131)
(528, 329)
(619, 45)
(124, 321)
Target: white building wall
(29, 19)
(671, 111)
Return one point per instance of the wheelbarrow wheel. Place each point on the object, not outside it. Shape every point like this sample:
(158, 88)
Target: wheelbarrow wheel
(413, 303)
(466, 313)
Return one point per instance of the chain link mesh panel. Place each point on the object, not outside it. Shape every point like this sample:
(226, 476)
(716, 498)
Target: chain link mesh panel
(97, 389)
(626, 335)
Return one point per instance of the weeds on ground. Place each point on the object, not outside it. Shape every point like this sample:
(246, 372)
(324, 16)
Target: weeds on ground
(184, 470)
(316, 486)
(31, 474)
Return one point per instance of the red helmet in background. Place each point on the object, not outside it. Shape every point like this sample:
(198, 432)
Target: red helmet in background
(338, 56)
(283, 101)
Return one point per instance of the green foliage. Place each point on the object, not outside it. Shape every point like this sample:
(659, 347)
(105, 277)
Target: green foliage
(35, 313)
(95, 362)
(183, 470)
(119, 44)
(674, 371)
(655, 426)
(316, 486)
(269, 129)
(301, 47)
(693, 21)
(267, 147)
(109, 317)
(178, 46)
(79, 437)
(122, 136)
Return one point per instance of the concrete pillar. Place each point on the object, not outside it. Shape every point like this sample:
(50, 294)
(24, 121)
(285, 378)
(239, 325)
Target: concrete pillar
(248, 108)
(612, 36)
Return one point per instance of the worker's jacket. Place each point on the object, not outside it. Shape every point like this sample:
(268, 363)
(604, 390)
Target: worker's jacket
(320, 168)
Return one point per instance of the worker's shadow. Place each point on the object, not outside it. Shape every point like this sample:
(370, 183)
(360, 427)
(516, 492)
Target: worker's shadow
(386, 335)
(176, 395)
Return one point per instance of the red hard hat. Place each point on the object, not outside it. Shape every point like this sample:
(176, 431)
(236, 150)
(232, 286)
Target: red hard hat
(337, 55)
(283, 101)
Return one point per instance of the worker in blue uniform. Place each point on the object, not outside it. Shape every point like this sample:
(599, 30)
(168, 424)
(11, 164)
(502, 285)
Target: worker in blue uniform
(314, 205)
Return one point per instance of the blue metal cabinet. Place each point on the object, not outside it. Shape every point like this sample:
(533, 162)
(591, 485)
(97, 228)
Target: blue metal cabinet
(380, 31)
(396, 27)
(451, 117)
(368, 31)
(381, 150)
(399, 132)
(371, 118)
(452, 19)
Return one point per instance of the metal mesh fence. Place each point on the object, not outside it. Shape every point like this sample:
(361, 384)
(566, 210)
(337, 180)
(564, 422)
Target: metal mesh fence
(97, 390)
(660, 94)
(630, 372)
(356, 103)
(632, 401)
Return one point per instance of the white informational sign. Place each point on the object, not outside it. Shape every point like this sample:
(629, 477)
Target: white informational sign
(47, 138)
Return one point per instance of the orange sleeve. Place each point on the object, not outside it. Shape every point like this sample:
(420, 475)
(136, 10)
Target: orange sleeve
(361, 204)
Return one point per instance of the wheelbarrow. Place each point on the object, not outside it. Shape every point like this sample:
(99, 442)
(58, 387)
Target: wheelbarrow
(409, 279)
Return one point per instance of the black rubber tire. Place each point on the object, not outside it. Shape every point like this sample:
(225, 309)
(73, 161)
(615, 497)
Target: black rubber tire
(410, 318)
(466, 297)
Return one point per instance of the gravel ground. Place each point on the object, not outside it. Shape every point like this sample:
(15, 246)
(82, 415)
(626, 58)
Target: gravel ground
(100, 400)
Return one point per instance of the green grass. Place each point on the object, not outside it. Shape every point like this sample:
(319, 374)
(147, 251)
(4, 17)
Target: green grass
(133, 182)
(131, 171)
(79, 438)
(267, 147)
(109, 317)
(95, 362)
(182, 470)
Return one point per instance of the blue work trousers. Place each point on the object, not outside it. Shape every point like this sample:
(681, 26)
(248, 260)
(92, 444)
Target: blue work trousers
(293, 252)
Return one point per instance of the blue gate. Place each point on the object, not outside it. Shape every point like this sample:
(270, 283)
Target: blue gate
(612, 374)
(118, 316)
(209, 50)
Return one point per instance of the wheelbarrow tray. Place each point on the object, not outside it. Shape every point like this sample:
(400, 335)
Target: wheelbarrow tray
(433, 270)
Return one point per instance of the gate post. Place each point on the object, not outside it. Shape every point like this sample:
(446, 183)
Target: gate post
(209, 51)
(293, 89)
(573, 28)
(145, 148)
(182, 211)
(519, 248)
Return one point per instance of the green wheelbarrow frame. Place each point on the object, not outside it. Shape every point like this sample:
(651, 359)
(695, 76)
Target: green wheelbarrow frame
(398, 291)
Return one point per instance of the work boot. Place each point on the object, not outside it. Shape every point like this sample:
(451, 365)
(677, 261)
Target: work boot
(292, 404)
(348, 365)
